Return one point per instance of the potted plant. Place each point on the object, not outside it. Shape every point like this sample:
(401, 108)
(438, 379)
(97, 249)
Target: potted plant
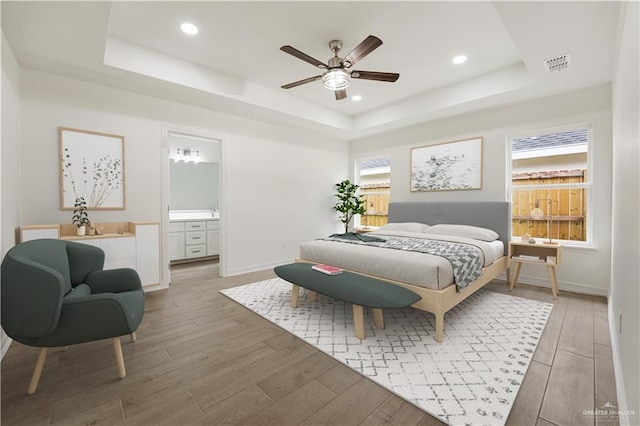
(349, 203)
(80, 217)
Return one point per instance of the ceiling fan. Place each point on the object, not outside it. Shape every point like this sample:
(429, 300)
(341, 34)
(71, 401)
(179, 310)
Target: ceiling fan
(338, 74)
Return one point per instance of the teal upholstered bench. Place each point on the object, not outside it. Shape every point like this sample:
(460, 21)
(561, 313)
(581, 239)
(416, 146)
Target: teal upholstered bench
(359, 290)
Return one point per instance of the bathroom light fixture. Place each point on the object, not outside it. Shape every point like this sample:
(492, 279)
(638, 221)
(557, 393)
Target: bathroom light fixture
(184, 154)
(189, 28)
(356, 98)
(336, 79)
(537, 213)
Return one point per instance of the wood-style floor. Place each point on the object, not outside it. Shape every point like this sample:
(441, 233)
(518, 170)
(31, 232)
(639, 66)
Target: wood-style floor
(202, 359)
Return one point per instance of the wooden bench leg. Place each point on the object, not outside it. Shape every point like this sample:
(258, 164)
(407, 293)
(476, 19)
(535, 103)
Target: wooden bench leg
(358, 321)
(314, 296)
(378, 318)
(294, 296)
(133, 337)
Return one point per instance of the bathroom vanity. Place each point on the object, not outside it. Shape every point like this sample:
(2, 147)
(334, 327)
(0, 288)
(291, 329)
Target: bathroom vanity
(193, 235)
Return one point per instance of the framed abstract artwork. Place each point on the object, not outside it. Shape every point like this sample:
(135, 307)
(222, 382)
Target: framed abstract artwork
(91, 168)
(447, 166)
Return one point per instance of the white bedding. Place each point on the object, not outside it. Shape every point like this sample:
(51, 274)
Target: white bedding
(425, 270)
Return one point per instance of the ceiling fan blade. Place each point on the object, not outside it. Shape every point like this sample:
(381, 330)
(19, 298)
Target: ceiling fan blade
(367, 46)
(298, 54)
(300, 82)
(341, 94)
(374, 75)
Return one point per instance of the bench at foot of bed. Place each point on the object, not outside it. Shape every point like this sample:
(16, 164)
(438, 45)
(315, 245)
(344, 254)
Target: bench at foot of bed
(359, 290)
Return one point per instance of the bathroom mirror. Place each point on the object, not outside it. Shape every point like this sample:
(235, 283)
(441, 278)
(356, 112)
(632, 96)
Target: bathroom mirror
(194, 186)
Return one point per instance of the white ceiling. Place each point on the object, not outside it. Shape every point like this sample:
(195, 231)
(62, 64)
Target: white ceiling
(234, 64)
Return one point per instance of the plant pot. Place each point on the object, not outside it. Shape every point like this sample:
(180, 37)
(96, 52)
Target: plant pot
(82, 230)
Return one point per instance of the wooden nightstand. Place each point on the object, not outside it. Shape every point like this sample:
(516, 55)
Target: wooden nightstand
(549, 255)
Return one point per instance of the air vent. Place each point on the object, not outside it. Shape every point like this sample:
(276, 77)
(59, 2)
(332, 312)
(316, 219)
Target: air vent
(559, 63)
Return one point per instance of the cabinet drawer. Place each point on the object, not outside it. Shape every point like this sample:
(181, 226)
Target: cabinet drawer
(213, 224)
(195, 238)
(197, 250)
(176, 227)
(195, 226)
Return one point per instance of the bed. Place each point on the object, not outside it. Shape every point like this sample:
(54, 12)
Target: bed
(436, 281)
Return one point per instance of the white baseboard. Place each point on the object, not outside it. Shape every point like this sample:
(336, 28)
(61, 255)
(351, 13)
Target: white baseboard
(617, 370)
(256, 268)
(563, 285)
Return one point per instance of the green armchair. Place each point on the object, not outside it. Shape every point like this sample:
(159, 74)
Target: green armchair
(55, 293)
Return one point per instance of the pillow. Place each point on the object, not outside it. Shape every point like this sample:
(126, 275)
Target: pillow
(466, 231)
(405, 227)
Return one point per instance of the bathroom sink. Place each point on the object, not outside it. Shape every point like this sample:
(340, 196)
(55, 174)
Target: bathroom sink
(193, 215)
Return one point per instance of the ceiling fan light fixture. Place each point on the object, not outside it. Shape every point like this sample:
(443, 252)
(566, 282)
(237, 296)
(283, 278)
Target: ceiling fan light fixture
(336, 79)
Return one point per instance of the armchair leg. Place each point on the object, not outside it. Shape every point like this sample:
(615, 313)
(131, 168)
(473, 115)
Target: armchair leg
(119, 358)
(133, 337)
(37, 371)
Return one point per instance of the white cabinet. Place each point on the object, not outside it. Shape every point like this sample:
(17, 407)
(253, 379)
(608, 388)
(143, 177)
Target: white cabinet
(134, 245)
(195, 239)
(192, 239)
(213, 238)
(148, 253)
(37, 232)
(141, 252)
(176, 241)
(118, 252)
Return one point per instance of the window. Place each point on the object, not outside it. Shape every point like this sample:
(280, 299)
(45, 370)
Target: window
(374, 179)
(550, 172)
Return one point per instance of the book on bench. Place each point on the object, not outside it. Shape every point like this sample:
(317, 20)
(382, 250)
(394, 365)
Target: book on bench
(327, 269)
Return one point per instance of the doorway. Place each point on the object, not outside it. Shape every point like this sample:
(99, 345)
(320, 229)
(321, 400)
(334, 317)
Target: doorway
(193, 219)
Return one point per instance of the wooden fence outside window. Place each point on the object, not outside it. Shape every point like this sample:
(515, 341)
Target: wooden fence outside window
(568, 204)
(376, 204)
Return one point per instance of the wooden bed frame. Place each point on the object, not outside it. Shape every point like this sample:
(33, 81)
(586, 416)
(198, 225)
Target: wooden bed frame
(493, 215)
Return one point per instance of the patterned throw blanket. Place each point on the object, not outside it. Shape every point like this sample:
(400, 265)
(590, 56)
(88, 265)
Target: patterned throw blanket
(466, 260)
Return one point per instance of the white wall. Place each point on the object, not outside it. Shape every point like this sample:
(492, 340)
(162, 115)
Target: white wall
(584, 270)
(625, 271)
(10, 153)
(279, 181)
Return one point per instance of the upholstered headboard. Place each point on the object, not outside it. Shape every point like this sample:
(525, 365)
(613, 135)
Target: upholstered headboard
(495, 215)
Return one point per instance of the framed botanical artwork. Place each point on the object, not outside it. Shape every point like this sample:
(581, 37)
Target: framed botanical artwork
(92, 169)
(447, 166)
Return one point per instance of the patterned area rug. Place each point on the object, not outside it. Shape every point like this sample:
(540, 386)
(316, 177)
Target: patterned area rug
(473, 377)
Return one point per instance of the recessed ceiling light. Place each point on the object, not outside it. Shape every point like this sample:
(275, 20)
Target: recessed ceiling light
(460, 59)
(356, 98)
(189, 28)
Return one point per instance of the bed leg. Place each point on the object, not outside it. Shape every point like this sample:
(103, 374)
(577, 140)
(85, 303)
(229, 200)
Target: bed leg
(439, 327)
